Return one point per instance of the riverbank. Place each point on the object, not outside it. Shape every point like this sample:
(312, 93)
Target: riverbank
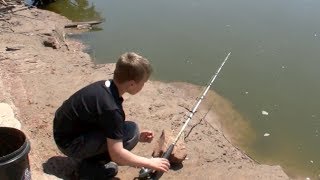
(39, 69)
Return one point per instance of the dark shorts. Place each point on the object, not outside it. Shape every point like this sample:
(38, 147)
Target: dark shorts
(93, 145)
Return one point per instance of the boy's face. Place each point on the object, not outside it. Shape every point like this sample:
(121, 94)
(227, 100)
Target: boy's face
(136, 87)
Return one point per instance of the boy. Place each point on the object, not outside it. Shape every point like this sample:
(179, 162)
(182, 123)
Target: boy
(90, 126)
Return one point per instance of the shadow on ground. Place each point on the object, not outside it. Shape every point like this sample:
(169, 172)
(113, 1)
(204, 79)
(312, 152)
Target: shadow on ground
(64, 168)
(61, 167)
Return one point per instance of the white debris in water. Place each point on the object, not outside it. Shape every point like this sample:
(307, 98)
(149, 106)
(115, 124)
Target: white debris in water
(246, 92)
(311, 161)
(266, 134)
(283, 67)
(307, 178)
(188, 61)
(315, 35)
(265, 113)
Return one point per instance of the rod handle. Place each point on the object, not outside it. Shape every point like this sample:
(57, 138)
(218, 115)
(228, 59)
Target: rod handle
(146, 173)
(157, 174)
(167, 154)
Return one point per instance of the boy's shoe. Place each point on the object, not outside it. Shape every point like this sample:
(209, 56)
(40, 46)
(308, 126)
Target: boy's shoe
(97, 170)
(112, 168)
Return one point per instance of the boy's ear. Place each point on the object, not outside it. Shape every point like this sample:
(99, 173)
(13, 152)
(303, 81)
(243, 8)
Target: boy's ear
(131, 82)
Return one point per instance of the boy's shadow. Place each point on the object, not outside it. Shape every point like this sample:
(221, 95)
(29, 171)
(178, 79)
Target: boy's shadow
(61, 167)
(64, 167)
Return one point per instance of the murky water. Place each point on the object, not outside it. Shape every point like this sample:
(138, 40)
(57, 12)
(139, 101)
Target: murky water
(273, 66)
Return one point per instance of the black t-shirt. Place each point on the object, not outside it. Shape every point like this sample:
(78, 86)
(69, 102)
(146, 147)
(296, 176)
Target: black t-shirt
(96, 107)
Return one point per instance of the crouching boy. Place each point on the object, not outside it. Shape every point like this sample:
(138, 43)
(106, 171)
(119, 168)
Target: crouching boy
(90, 126)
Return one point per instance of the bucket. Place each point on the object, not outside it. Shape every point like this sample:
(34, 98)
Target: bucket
(14, 160)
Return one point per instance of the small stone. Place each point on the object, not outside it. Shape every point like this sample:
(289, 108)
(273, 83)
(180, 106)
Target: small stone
(51, 42)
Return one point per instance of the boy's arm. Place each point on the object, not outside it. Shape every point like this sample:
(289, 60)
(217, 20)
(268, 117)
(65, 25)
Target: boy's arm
(124, 157)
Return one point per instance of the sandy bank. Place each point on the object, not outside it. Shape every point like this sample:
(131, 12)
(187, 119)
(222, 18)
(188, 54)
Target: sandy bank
(36, 79)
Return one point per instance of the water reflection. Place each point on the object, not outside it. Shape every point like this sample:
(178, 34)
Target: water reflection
(76, 10)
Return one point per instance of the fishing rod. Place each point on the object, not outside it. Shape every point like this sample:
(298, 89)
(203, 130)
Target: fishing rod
(146, 173)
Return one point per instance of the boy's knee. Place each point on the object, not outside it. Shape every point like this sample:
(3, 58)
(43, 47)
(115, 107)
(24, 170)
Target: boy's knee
(131, 135)
(85, 146)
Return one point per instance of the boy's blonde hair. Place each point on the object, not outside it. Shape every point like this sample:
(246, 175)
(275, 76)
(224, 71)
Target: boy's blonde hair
(131, 66)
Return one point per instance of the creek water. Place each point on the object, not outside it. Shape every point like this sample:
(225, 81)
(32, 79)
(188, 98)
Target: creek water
(271, 77)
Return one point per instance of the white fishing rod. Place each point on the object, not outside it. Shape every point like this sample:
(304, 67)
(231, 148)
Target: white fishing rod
(199, 101)
(147, 173)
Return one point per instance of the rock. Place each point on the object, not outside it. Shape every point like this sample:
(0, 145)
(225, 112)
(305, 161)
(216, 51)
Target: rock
(51, 42)
(179, 152)
(7, 118)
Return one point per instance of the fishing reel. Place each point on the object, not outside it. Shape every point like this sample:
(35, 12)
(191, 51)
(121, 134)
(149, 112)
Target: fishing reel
(149, 174)
(145, 173)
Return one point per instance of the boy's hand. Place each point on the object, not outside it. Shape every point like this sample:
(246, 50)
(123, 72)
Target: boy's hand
(159, 164)
(146, 136)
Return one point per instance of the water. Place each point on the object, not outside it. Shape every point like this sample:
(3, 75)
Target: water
(273, 66)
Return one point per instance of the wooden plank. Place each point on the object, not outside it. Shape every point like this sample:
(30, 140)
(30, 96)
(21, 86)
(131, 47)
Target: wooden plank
(76, 24)
(4, 2)
(7, 8)
(21, 9)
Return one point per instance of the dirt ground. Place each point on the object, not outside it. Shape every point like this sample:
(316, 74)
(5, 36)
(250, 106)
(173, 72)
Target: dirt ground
(35, 80)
